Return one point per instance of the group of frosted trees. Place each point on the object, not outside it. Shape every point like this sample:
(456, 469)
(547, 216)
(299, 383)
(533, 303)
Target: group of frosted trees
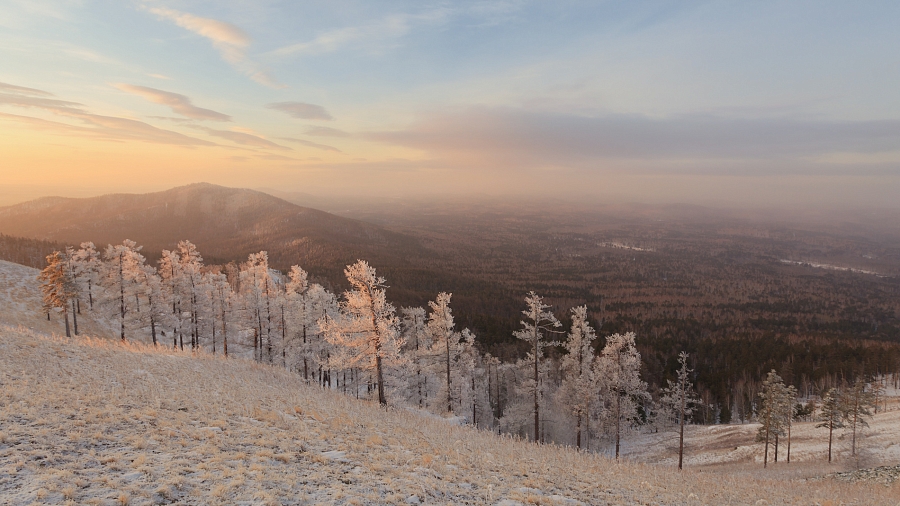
(361, 345)
(841, 408)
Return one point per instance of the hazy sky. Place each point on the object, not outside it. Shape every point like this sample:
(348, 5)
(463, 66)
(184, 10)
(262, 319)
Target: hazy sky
(725, 102)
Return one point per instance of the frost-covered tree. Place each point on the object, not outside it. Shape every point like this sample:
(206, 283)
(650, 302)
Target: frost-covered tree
(120, 277)
(57, 286)
(831, 414)
(617, 370)
(366, 331)
(577, 391)
(259, 292)
(191, 283)
(774, 412)
(440, 329)
(856, 403)
(680, 399)
(418, 344)
(539, 321)
(86, 263)
(171, 278)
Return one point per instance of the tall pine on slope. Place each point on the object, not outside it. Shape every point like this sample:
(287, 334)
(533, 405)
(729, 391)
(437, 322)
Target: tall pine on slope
(831, 416)
(857, 401)
(366, 330)
(617, 370)
(539, 321)
(681, 399)
(577, 390)
(440, 329)
(57, 286)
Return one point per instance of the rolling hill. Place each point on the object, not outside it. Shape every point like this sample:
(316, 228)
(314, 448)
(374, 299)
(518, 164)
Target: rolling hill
(225, 223)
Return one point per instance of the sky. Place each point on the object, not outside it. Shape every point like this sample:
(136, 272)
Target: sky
(729, 103)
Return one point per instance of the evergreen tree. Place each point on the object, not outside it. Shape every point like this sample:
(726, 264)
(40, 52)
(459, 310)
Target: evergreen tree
(57, 286)
(831, 415)
(680, 398)
(857, 401)
(539, 321)
(577, 391)
(617, 370)
(366, 330)
(440, 329)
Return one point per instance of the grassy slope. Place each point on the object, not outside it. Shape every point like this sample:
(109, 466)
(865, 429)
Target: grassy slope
(91, 421)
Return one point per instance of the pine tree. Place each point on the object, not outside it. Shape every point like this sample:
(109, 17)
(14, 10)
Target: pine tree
(831, 414)
(857, 401)
(57, 286)
(617, 370)
(366, 330)
(120, 272)
(440, 329)
(539, 321)
(774, 413)
(86, 262)
(577, 391)
(680, 398)
(418, 342)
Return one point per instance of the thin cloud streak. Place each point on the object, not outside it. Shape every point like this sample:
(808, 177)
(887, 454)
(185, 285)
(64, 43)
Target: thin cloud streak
(100, 126)
(321, 131)
(179, 104)
(323, 147)
(228, 39)
(245, 139)
(21, 90)
(302, 110)
(388, 27)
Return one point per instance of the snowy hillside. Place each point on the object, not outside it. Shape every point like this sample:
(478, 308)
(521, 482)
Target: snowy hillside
(96, 422)
(20, 304)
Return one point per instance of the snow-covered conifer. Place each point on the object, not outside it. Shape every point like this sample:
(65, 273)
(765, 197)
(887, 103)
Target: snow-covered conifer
(366, 331)
(440, 329)
(680, 399)
(577, 390)
(831, 414)
(539, 322)
(57, 286)
(617, 372)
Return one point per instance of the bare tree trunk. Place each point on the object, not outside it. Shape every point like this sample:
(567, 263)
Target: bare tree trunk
(121, 300)
(449, 396)
(75, 317)
(830, 432)
(681, 422)
(536, 404)
(789, 442)
(618, 420)
(66, 318)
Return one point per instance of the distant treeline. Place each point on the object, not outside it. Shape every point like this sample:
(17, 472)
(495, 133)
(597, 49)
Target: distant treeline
(30, 252)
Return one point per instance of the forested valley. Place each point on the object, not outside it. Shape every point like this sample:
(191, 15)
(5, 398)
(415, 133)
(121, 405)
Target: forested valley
(741, 296)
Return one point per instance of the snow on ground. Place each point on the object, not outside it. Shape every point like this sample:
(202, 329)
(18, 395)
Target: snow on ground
(20, 304)
(732, 448)
(97, 422)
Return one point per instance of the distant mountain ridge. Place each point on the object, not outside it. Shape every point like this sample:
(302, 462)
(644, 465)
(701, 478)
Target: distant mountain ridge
(225, 224)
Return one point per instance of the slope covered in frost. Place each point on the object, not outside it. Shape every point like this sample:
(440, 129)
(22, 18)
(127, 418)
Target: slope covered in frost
(93, 421)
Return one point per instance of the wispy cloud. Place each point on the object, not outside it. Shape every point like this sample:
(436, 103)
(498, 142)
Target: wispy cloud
(96, 125)
(321, 131)
(323, 147)
(228, 39)
(179, 104)
(301, 110)
(23, 90)
(389, 27)
(245, 139)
